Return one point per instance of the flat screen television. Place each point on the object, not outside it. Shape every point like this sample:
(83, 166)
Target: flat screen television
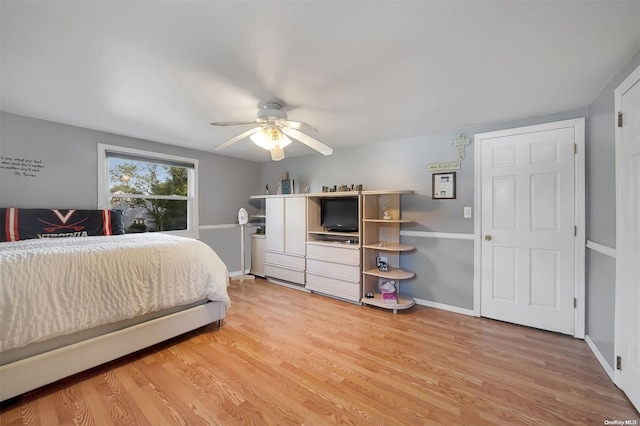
(339, 214)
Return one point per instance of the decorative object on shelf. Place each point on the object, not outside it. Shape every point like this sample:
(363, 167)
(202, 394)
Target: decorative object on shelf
(461, 143)
(287, 186)
(385, 213)
(383, 266)
(342, 188)
(382, 243)
(266, 189)
(387, 286)
(444, 167)
(369, 295)
(388, 290)
(444, 185)
(307, 189)
(390, 298)
(243, 219)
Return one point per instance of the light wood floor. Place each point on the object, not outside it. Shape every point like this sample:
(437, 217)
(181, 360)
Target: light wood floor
(287, 357)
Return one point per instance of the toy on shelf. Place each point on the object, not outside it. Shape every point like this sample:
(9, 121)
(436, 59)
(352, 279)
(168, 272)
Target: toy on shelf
(385, 213)
(388, 290)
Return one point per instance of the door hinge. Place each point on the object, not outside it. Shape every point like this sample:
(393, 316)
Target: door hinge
(618, 362)
(620, 119)
(575, 302)
(575, 148)
(575, 231)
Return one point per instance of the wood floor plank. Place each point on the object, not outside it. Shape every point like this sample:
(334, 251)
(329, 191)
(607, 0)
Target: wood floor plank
(286, 357)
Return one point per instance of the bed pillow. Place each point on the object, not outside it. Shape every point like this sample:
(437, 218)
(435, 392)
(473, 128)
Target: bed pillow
(25, 224)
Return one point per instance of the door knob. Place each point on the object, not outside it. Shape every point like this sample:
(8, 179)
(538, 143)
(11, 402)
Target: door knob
(488, 237)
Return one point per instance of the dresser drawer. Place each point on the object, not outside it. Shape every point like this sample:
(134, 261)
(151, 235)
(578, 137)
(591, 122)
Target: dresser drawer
(295, 262)
(335, 270)
(292, 275)
(339, 254)
(333, 286)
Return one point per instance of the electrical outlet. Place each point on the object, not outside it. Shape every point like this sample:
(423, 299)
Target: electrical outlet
(467, 212)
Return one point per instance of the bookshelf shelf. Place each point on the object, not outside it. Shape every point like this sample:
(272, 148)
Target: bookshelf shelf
(404, 302)
(375, 230)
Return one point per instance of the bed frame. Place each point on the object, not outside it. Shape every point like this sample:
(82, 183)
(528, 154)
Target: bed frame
(27, 374)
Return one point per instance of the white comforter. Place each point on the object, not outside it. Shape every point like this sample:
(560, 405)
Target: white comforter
(57, 286)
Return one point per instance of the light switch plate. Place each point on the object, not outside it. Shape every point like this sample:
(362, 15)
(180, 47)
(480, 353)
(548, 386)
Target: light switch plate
(467, 212)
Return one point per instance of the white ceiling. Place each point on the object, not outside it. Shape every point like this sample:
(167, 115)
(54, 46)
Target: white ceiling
(358, 71)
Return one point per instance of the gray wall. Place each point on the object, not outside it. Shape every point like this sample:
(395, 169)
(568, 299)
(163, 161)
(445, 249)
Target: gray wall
(600, 277)
(601, 214)
(444, 267)
(225, 240)
(69, 176)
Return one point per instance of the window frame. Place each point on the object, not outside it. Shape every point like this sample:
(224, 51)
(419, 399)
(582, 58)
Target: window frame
(104, 196)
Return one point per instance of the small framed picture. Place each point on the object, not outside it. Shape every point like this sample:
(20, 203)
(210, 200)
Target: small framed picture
(444, 186)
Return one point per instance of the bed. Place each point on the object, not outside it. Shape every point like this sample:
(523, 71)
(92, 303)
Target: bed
(69, 304)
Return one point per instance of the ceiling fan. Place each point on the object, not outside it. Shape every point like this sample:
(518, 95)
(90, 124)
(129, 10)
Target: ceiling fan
(272, 131)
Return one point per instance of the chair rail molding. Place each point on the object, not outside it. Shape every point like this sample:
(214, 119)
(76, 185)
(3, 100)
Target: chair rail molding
(601, 248)
(447, 235)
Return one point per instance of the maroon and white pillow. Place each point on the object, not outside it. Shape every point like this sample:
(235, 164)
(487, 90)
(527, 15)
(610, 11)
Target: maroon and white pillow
(23, 224)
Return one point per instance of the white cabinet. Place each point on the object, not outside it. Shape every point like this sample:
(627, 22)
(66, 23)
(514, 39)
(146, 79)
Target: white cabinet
(285, 238)
(381, 239)
(274, 224)
(333, 258)
(298, 250)
(257, 254)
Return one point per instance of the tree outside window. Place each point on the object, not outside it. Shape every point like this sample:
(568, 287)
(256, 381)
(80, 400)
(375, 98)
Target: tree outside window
(152, 196)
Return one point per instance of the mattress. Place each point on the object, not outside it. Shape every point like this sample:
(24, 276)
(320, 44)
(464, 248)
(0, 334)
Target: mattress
(57, 287)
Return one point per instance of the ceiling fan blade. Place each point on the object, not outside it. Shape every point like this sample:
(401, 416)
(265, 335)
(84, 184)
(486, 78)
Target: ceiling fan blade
(307, 140)
(299, 125)
(237, 138)
(232, 123)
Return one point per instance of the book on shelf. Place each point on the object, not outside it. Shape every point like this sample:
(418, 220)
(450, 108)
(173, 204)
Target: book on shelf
(389, 297)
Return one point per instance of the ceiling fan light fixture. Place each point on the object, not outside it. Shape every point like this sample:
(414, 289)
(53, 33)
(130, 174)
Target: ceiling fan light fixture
(277, 153)
(272, 130)
(270, 137)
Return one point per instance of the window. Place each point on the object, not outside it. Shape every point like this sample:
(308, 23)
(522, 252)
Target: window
(156, 192)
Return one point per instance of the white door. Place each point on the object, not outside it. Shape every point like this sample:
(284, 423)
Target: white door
(628, 238)
(528, 223)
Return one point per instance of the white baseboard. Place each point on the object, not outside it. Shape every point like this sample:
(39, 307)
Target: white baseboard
(601, 359)
(236, 273)
(444, 307)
